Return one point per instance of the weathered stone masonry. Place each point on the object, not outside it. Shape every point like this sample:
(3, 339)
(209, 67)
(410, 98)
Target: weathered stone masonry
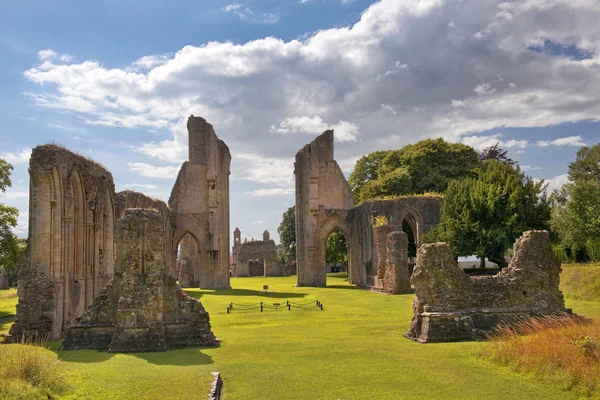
(142, 308)
(200, 203)
(264, 251)
(71, 253)
(75, 220)
(451, 306)
(324, 203)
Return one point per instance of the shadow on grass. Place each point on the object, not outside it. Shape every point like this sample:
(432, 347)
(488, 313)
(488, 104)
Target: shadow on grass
(180, 357)
(340, 287)
(247, 292)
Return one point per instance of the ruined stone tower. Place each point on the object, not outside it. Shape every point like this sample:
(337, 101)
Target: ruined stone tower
(200, 203)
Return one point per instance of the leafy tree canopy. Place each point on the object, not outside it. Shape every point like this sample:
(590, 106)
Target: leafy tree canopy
(9, 244)
(495, 153)
(336, 248)
(287, 236)
(485, 214)
(576, 206)
(426, 166)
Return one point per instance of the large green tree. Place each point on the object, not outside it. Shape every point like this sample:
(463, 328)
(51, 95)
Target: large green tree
(426, 166)
(485, 214)
(287, 236)
(9, 244)
(576, 206)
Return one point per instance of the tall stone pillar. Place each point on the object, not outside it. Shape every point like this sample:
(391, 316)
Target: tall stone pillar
(396, 279)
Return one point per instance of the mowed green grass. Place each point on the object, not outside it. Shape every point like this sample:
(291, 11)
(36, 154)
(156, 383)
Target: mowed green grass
(354, 349)
(8, 300)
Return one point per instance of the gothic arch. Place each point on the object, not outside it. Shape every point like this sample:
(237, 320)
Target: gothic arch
(332, 222)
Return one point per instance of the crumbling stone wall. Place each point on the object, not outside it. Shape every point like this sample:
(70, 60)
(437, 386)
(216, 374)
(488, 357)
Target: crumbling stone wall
(324, 203)
(451, 306)
(200, 203)
(3, 280)
(142, 309)
(396, 279)
(132, 199)
(189, 262)
(71, 254)
(323, 197)
(264, 251)
(422, 213)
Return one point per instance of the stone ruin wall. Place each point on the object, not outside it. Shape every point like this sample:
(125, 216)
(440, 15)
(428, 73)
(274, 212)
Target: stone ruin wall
(74, 218)
(451, 306)
(71, 254)
(320, 188)
(142, 308)
(200, 203)
(131, 199)
(421, 212)
(324, 203)
(264, 250)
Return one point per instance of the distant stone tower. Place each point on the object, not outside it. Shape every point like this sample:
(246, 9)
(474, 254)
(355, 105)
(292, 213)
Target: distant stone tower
(266, 235)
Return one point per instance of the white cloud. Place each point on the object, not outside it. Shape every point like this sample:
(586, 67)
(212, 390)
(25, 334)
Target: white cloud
(258, 222)
(10, 195)
(140, 185)
(566, 141)
(246, 13)
(344, 131)
(17, 157)
(271, 192)
(46, 54)
(268, 170)
(346, 74)
(481, 142)
(152, 171)
(556, 183)
(527, 168)
(22, 224)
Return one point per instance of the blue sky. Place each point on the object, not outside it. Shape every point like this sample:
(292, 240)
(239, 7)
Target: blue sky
(115, 81)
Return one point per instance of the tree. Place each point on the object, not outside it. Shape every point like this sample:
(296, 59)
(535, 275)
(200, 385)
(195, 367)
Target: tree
(9, 248)
(287, 236)
(576, 206)
(336, 248)
(426, 166)
(485, 214)
(495, 153)
(365, 171)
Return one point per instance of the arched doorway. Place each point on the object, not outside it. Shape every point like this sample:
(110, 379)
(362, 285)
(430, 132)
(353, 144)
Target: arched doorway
(336, 254)
(411, 224)
(336, 223)
(188, 261)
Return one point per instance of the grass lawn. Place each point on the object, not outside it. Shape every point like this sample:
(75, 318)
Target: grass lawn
(354, 349)
(581, 281)
(8, 300)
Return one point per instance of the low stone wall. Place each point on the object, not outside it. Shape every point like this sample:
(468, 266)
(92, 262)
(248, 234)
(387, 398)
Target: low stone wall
(451, 306)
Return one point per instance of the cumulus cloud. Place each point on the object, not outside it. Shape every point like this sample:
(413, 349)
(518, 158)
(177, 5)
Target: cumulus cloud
(566, 141)
(267, 96)
(140, 185)
(556, 183)
(246, 13)
(46, 54)
(152, 171)
(271, 192)
(481, 142)
(344, 131)
(17, 158)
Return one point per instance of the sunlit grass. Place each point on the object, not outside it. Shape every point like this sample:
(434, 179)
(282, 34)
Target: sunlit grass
(353, 349)
(581, 281)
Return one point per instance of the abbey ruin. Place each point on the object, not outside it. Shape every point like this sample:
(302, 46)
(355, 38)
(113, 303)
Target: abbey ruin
(324, 203)
(106, 269)
(254, 257)
(77, 243)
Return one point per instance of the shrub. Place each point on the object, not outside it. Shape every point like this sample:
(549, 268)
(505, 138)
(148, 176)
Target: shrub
(30, 372)
(380, 220)
(562, 349)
